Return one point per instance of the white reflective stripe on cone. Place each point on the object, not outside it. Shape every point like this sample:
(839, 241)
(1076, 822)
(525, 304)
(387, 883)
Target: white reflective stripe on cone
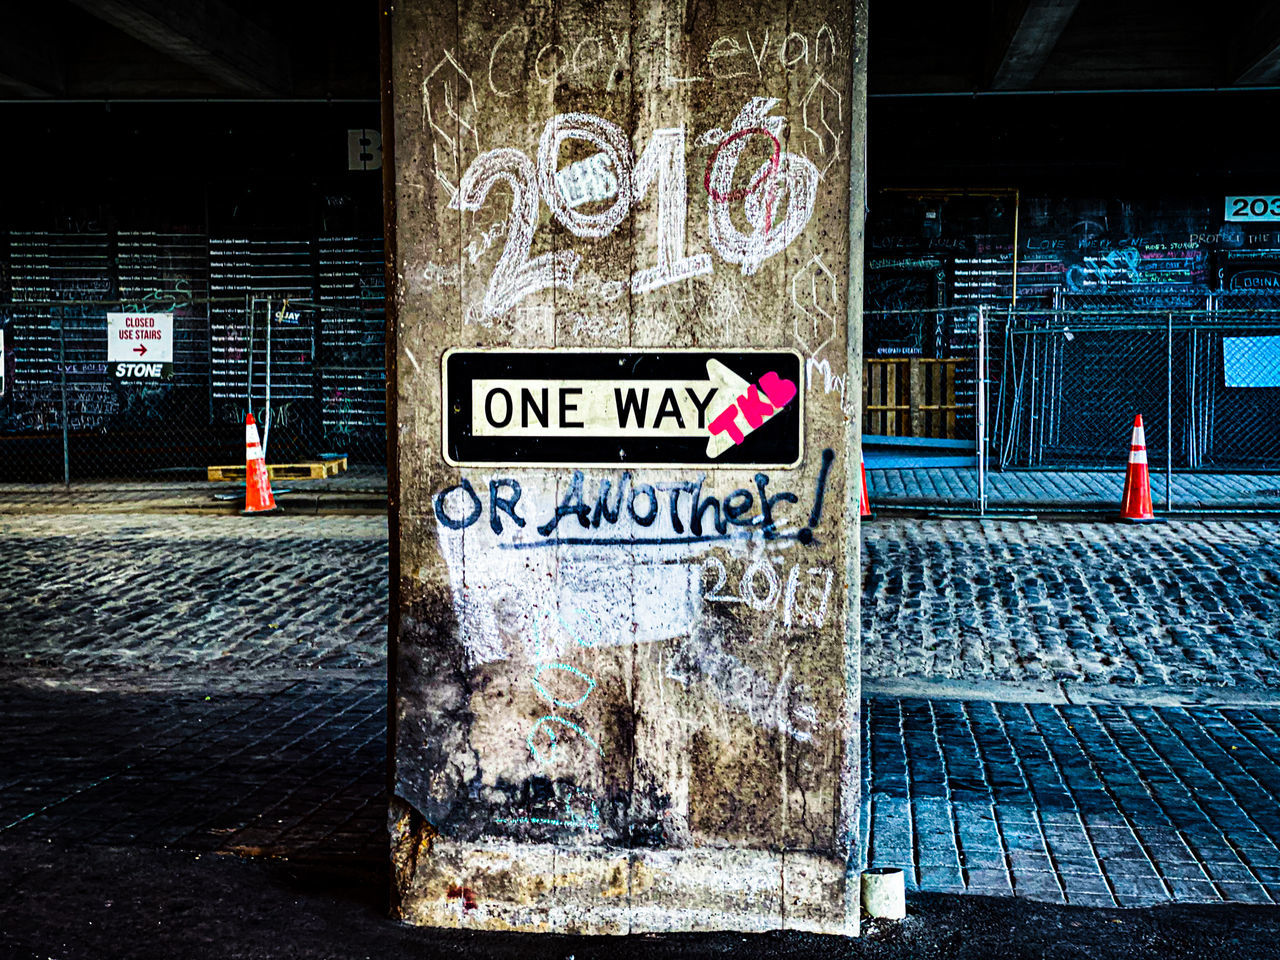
(1138, 456)
(1139, 437)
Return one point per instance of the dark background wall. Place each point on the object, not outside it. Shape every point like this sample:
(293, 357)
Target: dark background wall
(208, 166)
(198, 148)
(185, 208)
(1160, 142)
(1119, 200)
(1117, 204)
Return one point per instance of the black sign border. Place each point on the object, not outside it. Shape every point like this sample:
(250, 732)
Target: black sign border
(668, 363)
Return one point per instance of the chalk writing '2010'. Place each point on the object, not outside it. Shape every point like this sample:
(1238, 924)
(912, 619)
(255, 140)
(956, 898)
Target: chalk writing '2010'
(516, 276)
(785, 180)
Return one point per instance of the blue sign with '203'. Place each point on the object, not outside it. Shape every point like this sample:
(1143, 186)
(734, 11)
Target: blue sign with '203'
(1253, 209)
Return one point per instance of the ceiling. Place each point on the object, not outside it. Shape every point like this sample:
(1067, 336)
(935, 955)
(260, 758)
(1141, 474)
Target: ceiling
(1011, 46)
(284, 49)
(224, 49)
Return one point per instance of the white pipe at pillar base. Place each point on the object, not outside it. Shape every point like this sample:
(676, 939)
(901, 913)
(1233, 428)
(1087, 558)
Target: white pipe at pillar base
(883, 893)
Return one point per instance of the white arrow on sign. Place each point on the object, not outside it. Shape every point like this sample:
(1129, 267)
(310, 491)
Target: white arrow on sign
(623, 408)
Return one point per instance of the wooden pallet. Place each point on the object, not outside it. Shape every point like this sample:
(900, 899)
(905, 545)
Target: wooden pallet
(311, 470)
(912, 396)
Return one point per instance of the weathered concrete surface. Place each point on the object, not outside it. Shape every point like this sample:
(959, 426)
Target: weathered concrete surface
(617, 725)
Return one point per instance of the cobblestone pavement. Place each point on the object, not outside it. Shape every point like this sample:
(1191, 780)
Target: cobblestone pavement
(216, 684)
(1176, 604)
(1184, 603)
(122, 592)
(1093, 489)
(1097, 806)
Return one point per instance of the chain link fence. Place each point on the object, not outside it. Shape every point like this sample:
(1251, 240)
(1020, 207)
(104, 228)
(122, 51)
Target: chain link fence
(311, 373)
(1035, 408)
(1207, 385)
(964, 407)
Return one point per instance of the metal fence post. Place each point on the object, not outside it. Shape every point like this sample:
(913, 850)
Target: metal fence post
(249, 306)
(266, 412)
(1168, 421)
(980, 401)
(62, 384)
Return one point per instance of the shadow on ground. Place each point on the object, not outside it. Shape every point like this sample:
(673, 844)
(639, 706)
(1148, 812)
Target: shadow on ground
(83, 902)
(267, 766)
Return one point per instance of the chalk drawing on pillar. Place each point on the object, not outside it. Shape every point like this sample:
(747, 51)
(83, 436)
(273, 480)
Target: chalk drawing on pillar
(785, 707)
(449, 109)
(777, 201)
(434, 275)
(816, 296)
(761, 587)
(832, 382)
(666, 529)
(592, 60)
(822, 116)
(786, 181)
(687, 555)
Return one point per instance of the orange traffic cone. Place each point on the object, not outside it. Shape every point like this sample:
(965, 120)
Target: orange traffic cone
(257, 483)
(864, 504)
(1135, 505)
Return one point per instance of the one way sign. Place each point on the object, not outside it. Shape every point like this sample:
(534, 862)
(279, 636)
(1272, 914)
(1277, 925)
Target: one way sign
(603, 408)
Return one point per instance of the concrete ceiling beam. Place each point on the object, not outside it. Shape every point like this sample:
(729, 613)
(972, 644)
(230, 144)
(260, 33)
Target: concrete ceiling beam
(1034, 29)
(207, 35)
(31, 64)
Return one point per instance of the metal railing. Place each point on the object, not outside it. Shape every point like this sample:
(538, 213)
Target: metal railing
(924, 403)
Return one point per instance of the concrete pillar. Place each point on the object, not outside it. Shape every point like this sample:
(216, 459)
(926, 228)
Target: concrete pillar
(624, 660)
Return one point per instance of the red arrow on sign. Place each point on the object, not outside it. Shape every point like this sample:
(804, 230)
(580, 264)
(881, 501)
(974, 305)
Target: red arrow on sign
(140, 350)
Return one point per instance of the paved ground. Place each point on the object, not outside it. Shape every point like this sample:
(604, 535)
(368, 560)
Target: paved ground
(1090, 806)
(288, 765)
(1095, 806)
(1083, 489)
(1182, 603)
(215, 684)
(113, 592)
(104, 903)
(359, 490)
